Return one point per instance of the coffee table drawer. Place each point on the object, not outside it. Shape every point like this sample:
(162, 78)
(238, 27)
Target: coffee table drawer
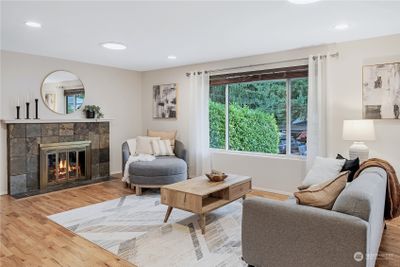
(239, 190)
(181, 200)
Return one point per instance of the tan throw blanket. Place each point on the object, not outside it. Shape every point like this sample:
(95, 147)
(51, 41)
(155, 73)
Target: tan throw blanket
(392, 203)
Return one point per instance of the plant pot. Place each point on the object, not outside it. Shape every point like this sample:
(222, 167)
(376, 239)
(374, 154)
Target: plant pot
(90, 114)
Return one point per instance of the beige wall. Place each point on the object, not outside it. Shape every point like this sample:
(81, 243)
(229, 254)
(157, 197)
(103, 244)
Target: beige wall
(116, 91)
(344, 102)
(126, 96)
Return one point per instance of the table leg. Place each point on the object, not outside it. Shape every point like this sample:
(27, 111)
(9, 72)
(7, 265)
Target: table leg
(167, 214)
(203, 223)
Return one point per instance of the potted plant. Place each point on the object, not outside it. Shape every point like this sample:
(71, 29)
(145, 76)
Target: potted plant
(92, 111)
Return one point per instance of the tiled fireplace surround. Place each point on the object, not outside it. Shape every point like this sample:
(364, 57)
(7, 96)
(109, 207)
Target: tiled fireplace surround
(23, 152)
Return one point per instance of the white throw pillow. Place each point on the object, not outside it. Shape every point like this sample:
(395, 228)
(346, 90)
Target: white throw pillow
(143, 144)
(323, 170)
(162, 148)
(132, 146)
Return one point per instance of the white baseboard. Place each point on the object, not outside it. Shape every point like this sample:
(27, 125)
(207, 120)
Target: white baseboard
(273, 191)
(256, 188)
(3, 193)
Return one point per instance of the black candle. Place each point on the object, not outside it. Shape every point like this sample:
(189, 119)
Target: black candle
(18, 108)
(27, 110)
(36, 108)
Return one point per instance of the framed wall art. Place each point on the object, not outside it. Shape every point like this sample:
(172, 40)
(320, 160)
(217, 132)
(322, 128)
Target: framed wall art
(164, 101)
(381, 91)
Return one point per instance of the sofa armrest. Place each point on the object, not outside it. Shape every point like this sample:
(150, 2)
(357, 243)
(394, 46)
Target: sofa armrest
(125, 155)
(277, 233)
(364, 197)
(180, 150)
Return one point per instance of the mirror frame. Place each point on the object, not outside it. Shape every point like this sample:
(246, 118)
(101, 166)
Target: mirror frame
(44, 102)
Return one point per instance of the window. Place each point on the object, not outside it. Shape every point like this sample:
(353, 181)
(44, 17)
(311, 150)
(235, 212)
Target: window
(260, 111)
(73, 99)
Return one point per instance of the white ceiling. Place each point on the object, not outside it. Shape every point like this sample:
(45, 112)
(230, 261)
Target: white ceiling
(193, 31)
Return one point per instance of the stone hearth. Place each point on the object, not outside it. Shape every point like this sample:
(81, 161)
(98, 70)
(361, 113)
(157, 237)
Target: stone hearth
(23, 152)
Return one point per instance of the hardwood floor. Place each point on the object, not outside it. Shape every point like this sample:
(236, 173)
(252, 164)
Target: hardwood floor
(28, 238)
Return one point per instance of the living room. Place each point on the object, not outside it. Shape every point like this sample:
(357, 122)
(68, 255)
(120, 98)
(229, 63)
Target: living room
(155, 95)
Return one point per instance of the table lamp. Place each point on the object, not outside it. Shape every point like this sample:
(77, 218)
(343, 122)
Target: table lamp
(358, 131)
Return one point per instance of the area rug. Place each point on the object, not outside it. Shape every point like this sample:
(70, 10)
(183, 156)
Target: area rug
(132, 227)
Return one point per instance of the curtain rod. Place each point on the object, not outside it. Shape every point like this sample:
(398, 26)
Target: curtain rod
(262, 64)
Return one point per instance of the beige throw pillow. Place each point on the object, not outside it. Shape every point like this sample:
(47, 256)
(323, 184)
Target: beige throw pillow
(164, 135)
(162, 148)
(323, 195)
(143, 144)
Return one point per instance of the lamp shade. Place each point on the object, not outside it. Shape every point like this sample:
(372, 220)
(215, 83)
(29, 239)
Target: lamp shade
(358, 130)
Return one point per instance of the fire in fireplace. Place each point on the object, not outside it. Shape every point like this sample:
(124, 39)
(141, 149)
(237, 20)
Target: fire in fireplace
(64, 162)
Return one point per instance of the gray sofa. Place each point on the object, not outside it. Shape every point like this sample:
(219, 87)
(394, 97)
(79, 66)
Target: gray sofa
(282, 233)
(161, 171)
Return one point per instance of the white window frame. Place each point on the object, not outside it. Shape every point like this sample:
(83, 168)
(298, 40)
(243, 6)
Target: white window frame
(288, 125)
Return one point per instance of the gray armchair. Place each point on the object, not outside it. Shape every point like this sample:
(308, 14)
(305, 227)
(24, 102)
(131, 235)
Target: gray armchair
(161, 171)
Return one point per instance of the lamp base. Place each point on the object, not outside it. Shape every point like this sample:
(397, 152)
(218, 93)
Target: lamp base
(359, 150)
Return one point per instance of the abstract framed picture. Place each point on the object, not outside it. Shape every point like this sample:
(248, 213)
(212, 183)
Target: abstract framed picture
(381, 91)
(164, 101)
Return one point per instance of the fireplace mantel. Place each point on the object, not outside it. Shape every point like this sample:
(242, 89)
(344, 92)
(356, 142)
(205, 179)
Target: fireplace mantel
(15, 121)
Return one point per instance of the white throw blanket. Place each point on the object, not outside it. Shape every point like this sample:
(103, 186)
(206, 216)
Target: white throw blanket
(133, 158)
(140, 157)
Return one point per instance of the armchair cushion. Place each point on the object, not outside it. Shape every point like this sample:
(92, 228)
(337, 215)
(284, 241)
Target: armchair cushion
(161, 166)
(164, 135)
(143, 144)
(162, 148)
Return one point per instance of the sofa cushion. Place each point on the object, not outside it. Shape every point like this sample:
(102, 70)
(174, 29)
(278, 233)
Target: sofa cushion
(323, 169)
(161, 166)
(323, 195)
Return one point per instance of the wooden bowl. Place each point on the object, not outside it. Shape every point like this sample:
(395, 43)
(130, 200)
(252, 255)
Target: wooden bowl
(216, 177)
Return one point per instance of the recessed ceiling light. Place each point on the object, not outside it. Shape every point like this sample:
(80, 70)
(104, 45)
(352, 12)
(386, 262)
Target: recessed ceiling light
(302, 2)
(113, 46)
(33, 24)
(341, 26)
(171, 57)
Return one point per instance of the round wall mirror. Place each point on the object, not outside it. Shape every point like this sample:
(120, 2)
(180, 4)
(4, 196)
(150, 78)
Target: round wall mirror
(63, 92)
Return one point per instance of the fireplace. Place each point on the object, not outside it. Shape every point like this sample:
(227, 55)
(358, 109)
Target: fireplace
(45, 156)
(64, 162)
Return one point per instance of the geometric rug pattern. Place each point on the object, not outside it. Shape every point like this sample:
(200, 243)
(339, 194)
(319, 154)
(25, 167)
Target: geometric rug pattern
(132, 227)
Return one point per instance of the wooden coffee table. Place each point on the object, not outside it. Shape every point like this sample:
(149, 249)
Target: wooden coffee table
(199, 195)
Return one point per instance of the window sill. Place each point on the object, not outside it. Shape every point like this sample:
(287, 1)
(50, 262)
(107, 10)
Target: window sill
(258, 154)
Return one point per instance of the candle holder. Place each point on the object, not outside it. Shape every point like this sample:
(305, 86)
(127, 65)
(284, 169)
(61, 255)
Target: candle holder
(36, 108)
(27, 111)
(18, 110)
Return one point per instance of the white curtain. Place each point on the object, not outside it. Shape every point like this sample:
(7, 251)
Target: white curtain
(198, 147)
(317, 108)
